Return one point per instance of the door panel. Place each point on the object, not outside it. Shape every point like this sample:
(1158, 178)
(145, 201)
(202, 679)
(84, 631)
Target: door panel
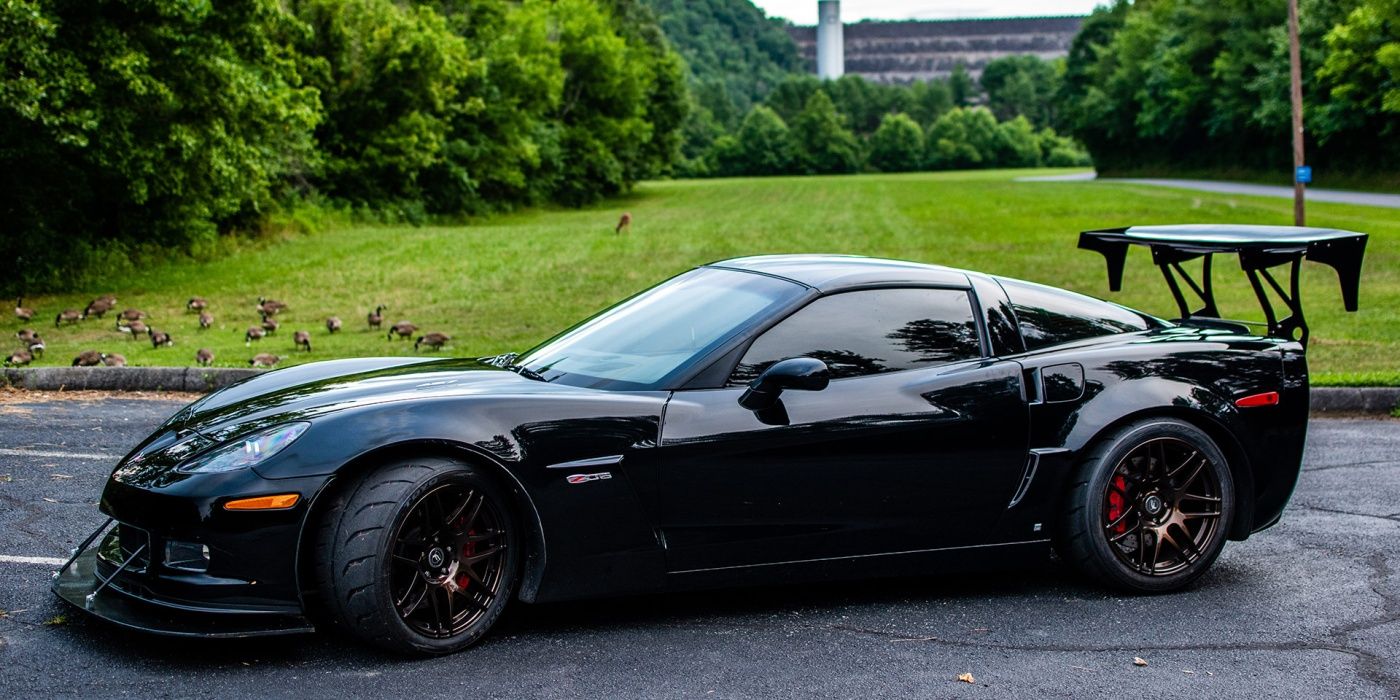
(891, 462)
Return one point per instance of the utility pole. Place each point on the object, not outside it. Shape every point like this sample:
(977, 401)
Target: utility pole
(1295, 62)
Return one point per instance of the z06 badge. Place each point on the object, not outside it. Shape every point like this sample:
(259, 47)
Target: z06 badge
(585, 478)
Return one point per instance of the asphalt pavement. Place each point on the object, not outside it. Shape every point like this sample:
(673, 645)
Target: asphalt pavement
(1309, 608)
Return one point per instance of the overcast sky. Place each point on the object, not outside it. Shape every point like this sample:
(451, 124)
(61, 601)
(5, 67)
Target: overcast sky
(805, 11)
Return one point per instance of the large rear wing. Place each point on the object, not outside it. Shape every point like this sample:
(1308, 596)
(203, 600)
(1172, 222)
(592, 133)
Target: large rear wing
(1260, 248)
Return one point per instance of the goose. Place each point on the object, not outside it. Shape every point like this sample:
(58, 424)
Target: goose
(376, 319)
(302, 339)
(264, 359)
(23, 312)
(204, 356)
(89, 358)
(434, 341)
(206, 320)
(333, 324)
(160, 338)
(270, 307)
(132, 315)
(19, 358)
(196, 304)
(97, 307)
(26, 335)
(69, 316)
(404, 329)
(134, 328)
(113, 359)
(254, 333)
(270, 324)
(110, 299)
(36, 347)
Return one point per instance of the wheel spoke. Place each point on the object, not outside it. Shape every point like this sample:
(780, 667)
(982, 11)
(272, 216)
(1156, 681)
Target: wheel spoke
(1156, 552)
(408, 593)
(493, 551)
(457, 512)
(437, 609)
(1195, 497)
(1119, 520)
(1211, 514)
(1184, 463)
(1189, 541)
(1195, 473)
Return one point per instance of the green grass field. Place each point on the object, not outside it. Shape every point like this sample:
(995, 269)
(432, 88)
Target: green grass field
(508, 282)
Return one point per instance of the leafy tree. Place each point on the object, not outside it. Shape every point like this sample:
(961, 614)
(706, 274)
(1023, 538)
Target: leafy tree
(763, 146)
(125, 125)
(964, 137)
(1018, 144)
(928, 100)
(791, 95)
(389, 77)
(1021, 86)
(960, 86)
(898, 145)
(1361, 77)
(823, 143)
(734, 56)
(1057, 151)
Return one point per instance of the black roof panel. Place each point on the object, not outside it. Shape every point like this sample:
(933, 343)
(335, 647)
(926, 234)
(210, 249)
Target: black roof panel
(829, 273)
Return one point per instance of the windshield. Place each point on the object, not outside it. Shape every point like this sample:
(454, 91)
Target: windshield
(644, 341)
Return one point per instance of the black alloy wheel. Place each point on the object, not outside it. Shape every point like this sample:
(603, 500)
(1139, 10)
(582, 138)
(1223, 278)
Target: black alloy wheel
(447, 562)
(1161, 507)
(1150, 507)
(418, 556)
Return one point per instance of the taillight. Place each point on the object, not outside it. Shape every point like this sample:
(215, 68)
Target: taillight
(1268, 398)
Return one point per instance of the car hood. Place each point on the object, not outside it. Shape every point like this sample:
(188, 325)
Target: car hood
(305, 391)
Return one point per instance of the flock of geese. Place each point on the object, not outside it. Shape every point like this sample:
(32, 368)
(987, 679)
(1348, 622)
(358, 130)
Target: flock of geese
(134, 323)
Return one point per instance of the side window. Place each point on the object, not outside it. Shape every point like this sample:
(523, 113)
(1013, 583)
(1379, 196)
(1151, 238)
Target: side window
(869, 332)
(1049, 316)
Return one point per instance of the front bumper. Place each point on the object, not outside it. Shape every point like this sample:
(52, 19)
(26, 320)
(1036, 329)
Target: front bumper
(92, 585)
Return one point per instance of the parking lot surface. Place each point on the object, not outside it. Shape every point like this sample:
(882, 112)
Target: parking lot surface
(1309, 608)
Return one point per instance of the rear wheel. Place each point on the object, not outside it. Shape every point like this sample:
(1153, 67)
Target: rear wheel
(1150, 508)
(419, 556)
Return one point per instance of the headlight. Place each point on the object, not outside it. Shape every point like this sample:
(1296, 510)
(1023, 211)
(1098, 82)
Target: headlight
(246, 451)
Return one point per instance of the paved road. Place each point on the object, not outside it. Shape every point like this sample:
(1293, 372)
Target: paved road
(1373, 199)
(1310, 608)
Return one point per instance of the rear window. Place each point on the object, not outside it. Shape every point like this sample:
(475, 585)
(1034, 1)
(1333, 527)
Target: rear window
(1049, 316)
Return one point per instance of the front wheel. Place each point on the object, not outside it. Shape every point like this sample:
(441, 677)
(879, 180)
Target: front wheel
(421, 556)
(1150, 508)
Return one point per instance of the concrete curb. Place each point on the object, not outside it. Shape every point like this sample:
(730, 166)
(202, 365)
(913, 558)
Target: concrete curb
(195, 379)
(1344, 399)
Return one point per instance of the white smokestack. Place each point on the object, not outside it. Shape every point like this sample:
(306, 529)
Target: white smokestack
(831, 49)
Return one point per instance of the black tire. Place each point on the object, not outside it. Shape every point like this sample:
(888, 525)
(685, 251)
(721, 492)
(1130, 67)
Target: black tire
(1115, 533)
(377, 540)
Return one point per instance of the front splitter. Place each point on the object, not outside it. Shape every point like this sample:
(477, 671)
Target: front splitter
(78, 582)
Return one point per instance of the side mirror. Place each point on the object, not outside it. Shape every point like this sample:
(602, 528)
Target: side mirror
(798, 373)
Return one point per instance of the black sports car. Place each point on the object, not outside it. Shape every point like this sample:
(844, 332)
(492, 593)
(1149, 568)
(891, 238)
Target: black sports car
(762, 419)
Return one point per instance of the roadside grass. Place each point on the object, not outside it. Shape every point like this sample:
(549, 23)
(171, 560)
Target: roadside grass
(508, 282)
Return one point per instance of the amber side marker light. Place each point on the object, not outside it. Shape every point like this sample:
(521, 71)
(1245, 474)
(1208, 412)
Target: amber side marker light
(281, 501)
(1269, 398)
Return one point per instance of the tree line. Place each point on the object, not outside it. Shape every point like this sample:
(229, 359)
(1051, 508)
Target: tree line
(134, 124)
(1203, 85)
(808, 126)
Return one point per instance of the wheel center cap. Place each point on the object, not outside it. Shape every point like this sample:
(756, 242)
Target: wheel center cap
(436, 556)
(1152, 504)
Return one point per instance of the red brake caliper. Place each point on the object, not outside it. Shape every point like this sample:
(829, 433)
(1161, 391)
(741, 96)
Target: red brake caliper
(1116, 503)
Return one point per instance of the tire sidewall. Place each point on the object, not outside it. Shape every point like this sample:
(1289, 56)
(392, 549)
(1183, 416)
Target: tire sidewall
(456, 473)
(1093, 509)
